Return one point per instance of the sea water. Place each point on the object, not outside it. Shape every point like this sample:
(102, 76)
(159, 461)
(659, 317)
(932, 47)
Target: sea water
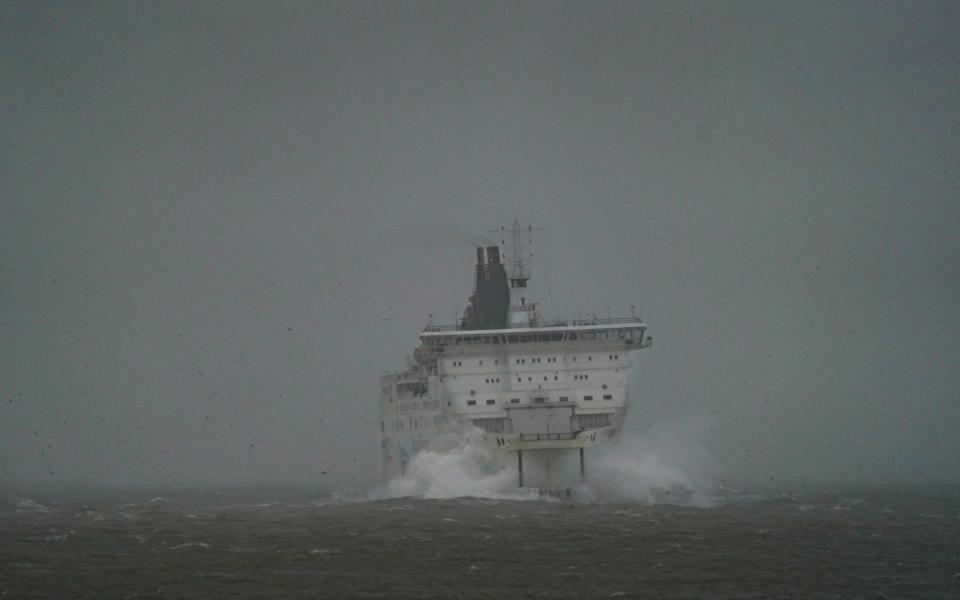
(288, 542)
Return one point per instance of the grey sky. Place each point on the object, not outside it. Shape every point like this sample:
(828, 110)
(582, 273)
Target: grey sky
(219, 222)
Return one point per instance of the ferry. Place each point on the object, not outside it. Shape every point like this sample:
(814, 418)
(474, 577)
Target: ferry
(540, 393)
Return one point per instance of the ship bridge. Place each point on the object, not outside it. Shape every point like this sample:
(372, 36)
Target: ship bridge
(628, 333)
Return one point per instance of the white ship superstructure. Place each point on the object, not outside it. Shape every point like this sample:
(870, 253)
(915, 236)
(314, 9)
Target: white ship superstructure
(538, 389)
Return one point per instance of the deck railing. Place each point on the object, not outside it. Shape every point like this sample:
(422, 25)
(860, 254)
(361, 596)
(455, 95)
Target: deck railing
(544, 323)
(539, 437)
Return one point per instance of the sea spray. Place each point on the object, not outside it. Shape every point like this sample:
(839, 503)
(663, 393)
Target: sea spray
(465, 464)
(665, 464)
(668, 463)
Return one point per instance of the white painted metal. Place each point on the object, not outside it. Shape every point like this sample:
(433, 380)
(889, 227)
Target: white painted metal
(537, 388)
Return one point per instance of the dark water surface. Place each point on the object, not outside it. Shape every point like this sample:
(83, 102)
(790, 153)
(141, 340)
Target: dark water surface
(876, 543)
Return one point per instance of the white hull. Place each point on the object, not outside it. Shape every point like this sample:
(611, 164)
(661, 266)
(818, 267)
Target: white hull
(542, 391)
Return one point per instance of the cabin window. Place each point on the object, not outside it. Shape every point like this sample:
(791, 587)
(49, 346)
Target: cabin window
(589, 358)
(604, 386)
(473, 392)
(564, 398)
(539, 400)
(491, 401)
(481, 362)
(544, 377)
(588, 398)
(607, 397)
(514, 400)
(471, 402)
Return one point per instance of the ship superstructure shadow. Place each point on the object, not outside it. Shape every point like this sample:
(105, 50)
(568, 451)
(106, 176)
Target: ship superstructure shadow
(542, 390)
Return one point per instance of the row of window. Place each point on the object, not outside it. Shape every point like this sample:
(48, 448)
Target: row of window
(536, 359)
(539, 400)
(414, 423)
(523, 361)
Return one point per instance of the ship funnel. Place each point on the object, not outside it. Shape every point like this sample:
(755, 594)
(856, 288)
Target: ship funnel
(490, 302)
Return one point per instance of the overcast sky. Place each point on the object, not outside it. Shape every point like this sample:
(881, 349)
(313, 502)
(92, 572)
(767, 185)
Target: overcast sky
(220, 221)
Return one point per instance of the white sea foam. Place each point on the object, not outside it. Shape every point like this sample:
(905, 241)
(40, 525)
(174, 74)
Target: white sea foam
(462, 465)
(203, 545)
(28, 505)
(666, 464)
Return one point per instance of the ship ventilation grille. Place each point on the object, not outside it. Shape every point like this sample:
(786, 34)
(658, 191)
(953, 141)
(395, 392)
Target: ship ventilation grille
(496, 425)
(592, 421)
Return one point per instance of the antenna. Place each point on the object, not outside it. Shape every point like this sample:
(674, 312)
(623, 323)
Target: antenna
(519, 257)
